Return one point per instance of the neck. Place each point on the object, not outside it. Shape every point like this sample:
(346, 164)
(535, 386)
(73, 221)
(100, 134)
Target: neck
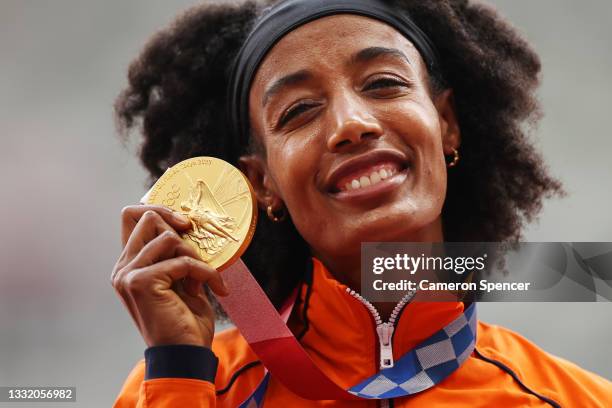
(346, 268)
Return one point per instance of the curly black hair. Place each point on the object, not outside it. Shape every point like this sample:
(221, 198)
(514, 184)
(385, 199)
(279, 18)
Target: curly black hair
(176, 96)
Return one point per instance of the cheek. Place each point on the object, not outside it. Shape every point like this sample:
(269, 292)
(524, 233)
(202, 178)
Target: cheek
(293, 166)
(295, 170)
(418, 126)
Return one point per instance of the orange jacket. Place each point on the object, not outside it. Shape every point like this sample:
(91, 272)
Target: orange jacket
(505, 370)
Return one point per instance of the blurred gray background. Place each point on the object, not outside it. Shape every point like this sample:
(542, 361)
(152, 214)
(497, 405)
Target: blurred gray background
(65, 177)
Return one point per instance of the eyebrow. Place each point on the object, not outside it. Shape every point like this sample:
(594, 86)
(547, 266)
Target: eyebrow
(291, 79)
(370, 53)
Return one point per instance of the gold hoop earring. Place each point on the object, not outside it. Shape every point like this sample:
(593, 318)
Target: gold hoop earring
(274, 217)
(455, 159)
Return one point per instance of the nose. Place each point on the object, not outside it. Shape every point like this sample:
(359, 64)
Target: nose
(353, 124)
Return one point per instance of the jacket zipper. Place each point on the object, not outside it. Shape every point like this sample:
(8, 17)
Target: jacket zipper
(384, 330)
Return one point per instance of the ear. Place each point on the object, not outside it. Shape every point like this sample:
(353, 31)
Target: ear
(451, 135)
(266, 191)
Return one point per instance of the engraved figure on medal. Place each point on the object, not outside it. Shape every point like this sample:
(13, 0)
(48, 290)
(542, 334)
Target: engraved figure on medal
(212, 226)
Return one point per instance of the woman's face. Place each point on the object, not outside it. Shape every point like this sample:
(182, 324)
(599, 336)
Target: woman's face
(354, 141)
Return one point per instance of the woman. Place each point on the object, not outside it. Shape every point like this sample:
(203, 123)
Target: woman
(354, 121)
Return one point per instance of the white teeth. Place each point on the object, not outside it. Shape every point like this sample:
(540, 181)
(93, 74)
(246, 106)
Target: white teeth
(374, 178)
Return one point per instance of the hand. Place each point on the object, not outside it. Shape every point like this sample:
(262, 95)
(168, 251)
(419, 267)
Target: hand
(159, 278)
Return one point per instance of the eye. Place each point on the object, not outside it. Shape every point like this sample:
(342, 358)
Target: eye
(384, 82)
(295, 111)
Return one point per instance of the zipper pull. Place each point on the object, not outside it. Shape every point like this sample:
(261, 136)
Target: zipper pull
(385, 331)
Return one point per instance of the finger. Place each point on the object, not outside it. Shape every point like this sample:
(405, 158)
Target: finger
(166, 245)
(149, 226)
(192, 286)
(131, 214)
(167, 271)
(198, 304)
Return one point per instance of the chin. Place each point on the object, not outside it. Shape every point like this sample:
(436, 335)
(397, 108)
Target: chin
(380, 226)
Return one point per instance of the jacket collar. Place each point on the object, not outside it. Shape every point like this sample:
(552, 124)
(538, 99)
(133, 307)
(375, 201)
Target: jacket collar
(339, 332)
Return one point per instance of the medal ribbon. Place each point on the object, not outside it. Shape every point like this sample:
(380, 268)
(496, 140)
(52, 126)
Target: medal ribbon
(268, 335)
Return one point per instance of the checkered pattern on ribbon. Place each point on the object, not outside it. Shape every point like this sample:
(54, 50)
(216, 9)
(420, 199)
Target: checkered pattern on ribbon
(427, 364)
(421, 368)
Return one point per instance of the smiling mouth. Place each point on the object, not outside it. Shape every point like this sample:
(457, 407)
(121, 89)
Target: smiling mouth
(369, 175)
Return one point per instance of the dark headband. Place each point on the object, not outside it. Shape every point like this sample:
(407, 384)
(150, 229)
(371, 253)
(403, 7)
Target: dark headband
(286, 16)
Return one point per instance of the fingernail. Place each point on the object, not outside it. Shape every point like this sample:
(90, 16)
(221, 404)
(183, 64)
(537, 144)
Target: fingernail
(181, 218)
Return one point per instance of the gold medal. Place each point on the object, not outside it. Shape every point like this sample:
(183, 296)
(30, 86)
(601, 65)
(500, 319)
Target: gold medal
(218, 200)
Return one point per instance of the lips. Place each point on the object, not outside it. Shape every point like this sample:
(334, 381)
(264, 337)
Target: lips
(366, 170)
